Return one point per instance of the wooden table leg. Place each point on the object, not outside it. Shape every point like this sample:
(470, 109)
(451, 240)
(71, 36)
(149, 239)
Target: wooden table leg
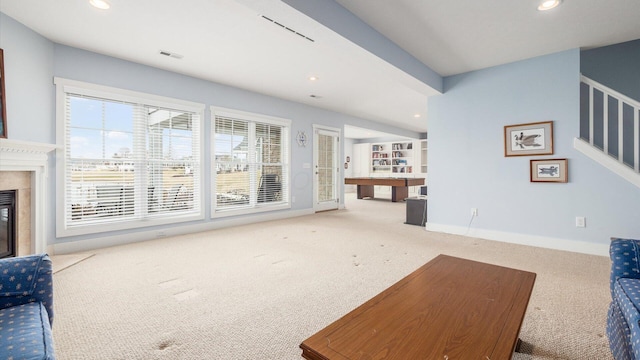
(399, 193)
(365, 191)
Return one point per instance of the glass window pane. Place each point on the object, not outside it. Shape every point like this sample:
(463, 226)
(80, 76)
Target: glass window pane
(84, 143)
(270, 185)
(86, 113)
(118, 117)
(233, 176)
(246, 175)
(107, 181)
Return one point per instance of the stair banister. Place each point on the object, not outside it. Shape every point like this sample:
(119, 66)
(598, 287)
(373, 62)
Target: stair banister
(603, 155)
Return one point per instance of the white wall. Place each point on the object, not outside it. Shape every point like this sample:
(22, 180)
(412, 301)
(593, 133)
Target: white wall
(467, 167)
(334, 16)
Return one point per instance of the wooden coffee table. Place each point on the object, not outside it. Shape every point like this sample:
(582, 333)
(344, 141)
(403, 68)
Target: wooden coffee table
(450, 308)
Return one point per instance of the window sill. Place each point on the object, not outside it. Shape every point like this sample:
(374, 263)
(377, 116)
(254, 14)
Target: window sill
(248, 211)
(126, 225)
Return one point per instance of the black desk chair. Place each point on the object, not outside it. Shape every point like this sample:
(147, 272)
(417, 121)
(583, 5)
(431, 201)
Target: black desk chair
(270, 188)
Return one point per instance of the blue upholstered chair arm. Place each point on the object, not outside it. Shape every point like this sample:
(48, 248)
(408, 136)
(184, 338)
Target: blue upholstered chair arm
(625, 260)
(27, 279)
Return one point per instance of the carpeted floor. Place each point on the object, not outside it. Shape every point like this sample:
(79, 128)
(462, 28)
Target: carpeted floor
(61, 262)
(257, 291)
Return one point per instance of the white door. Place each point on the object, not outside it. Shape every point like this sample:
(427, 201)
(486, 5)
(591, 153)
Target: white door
(326, 151)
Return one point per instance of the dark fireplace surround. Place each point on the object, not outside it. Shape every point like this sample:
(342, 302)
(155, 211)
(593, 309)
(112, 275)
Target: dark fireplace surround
(8, 223)
(15, 213)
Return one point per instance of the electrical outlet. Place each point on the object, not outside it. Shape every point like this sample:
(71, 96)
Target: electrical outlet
(581, 221)
(474, 211)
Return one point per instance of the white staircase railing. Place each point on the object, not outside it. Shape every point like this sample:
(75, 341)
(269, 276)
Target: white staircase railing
(610, 129)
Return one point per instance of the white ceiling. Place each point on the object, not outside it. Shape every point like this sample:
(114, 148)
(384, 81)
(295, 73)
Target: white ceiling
(229, 42)
(456, 36)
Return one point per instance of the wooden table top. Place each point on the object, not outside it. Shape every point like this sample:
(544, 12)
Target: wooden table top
(449, 308)
(389, 181)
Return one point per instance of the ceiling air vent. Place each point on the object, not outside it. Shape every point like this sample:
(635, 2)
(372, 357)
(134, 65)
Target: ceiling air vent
(288, 29)
(170, 54)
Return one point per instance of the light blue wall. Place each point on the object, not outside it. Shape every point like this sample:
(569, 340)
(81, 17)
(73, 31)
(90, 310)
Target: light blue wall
(616, 66)
(28, 70)
(90, 67)
(32, 61)
(348, 151)
(467, 167)
(29, 92)
(466, 162)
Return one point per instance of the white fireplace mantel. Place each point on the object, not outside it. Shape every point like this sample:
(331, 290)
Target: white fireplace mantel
(18, 155)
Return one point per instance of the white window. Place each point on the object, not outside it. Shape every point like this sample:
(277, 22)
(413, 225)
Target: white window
(250, 163)
(129, 159)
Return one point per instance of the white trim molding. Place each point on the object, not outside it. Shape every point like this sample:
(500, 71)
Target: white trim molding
(524, 239)
(16, 155)
(114, 240)
(66, 226)
(607, 161)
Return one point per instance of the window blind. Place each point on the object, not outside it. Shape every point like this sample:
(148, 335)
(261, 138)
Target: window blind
(234, 183)
(127, 162)
(250, 163)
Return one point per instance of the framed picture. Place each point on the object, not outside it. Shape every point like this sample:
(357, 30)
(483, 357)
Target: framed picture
(3, 106)
(528, 139)
(549, 170)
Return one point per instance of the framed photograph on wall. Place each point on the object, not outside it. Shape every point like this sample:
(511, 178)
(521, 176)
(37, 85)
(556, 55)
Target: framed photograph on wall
(528, 139)
(549, 170)
(3, 109)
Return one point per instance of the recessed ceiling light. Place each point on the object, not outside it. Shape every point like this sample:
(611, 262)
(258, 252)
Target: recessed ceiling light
(313, 78)
(416, 116)
(100, 4)
(548, 4)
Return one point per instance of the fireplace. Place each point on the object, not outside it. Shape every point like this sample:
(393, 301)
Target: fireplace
(7, 223)
(23, 169)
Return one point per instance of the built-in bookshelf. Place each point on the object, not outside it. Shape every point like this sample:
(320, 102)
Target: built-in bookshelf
(380, 158)
(402, 157)
(392, 158)
(423, 156)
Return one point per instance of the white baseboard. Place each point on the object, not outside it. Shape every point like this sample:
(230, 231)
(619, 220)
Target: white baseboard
(107, 241)
(524, 239)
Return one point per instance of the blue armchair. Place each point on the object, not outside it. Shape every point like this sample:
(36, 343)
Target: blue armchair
(26, 308)
(623, 327)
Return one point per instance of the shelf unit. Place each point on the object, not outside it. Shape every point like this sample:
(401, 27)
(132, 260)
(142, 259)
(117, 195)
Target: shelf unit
(423, 156)
(392, 158)
(380, 158)
(402, 157)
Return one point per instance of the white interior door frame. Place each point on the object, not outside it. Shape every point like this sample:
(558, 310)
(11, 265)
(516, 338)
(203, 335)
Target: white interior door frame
(327, 173)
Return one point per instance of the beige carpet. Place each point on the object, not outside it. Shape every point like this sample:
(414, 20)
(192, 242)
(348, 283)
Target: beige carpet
(257, 291)
(61, 262)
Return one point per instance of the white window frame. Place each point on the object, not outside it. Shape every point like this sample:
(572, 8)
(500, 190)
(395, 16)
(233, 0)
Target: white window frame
(65, 86)
(286, 141)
